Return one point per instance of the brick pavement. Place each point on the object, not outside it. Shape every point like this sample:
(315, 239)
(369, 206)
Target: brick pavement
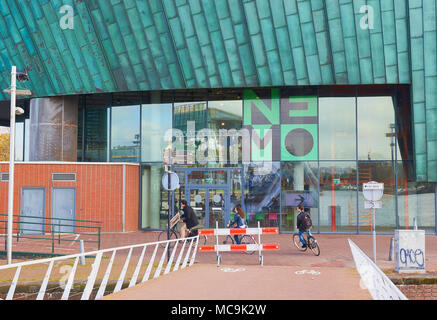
(335, 255)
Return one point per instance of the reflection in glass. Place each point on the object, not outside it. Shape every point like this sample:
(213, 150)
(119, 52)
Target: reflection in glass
(156, 119)
(337, 129)
(153, 204)
(198, 203)
(299, 185)
(236, 189)
(404, 135)
(382, 172)
(207, 177)
(96, 133)
(375, 128)
(190, 118)
(222, 117)
(216, 207)
(416, 200)
(80, 127)
(338, 196)
(125, 133)
(190, 111)
(262, 193)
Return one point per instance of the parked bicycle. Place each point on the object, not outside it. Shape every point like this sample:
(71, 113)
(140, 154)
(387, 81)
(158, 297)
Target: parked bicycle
(310, 241)
(175, 234)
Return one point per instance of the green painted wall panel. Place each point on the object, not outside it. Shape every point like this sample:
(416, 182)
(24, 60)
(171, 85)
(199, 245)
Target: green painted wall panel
(181, 44)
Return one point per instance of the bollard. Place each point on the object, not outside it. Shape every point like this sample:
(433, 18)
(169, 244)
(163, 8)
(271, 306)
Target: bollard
(82, 258)
(390, 253)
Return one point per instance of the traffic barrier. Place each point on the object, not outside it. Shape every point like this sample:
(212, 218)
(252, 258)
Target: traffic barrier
(238, 247)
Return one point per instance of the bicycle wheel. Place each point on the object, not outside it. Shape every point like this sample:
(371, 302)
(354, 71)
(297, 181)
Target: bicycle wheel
(246, 239)
(163, 237)
(314, 246)
(203, 239)
(228, 238)
(297, 243)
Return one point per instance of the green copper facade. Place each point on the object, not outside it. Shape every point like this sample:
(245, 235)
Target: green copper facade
(134, 45)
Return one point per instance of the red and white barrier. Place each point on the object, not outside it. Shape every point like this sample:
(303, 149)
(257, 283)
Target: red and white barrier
(237, 231)
(238, 247)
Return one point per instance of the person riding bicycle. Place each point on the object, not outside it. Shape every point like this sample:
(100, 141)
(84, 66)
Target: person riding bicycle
(189, 219)
(303, 223)
(238, 222)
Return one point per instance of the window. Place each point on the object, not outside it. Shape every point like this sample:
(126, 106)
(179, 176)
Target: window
(225, 120)
(338, 196)
(337, 128)
(125, 133)
(156, 119)
(376, 127)
(299, 185)
(416, 200)
(262, 193)
(382, 172)
(96, 127)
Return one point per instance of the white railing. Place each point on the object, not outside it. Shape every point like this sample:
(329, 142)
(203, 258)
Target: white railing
(71, 269)
(379, 285)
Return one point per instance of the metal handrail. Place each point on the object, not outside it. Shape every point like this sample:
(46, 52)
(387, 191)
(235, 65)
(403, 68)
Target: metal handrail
(19, 229)
(183, 260)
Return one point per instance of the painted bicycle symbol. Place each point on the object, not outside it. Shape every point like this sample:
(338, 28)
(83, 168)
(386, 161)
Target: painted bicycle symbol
(311, 272)
(232, 269)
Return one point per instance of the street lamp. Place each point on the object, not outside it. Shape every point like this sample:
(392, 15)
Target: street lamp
(20, 76)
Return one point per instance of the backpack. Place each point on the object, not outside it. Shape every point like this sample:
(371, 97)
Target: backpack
(306, 221)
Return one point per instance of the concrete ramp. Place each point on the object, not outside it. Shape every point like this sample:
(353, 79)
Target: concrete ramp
(237, 282)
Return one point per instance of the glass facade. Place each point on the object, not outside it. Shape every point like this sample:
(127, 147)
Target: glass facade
(269, 150)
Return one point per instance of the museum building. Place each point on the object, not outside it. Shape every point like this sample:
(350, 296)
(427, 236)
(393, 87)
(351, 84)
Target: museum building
(265, 104)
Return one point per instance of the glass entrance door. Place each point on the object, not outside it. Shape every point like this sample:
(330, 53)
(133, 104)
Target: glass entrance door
(210, 204)
(218, 207)
(208, 191)
(198, 203)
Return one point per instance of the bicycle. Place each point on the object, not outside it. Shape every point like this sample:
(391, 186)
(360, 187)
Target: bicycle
(244, 239)
(310, 241)
(175, 234)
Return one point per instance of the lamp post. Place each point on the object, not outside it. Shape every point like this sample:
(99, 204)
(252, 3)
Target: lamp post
(21, 76)
(11, 163)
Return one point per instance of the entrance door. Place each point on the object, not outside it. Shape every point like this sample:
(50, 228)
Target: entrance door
(217, 208)
(199, 204)
(208, 191)
(64, 209)
(210, 204)
(32, 211)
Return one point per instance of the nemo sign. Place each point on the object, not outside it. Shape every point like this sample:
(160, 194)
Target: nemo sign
(283, 128)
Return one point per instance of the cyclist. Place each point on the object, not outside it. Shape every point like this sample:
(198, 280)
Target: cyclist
(189, 219)
(302, 224)
(238, 222)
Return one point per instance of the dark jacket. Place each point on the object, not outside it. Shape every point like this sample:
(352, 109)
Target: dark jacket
(299, 222)
(189, 217)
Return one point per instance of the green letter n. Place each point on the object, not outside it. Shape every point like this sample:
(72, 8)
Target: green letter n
(257, 111)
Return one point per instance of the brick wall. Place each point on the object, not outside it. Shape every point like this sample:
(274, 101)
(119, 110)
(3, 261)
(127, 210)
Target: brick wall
(419, 292)
(99, 191)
